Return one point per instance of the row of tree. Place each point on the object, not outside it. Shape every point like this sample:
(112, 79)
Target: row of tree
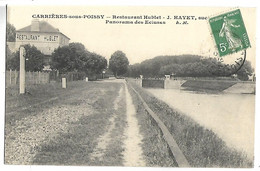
(187, 66)
(72, 58)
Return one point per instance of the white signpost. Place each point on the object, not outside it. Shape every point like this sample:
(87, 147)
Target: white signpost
(63, 83)
(22, 70)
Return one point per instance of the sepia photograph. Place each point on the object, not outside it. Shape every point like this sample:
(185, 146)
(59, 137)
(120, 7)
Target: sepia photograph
(132, 86)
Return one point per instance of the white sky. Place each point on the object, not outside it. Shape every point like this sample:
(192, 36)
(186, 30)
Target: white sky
(139, 42)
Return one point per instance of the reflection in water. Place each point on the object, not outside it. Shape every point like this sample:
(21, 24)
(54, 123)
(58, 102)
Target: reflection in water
(230, 116)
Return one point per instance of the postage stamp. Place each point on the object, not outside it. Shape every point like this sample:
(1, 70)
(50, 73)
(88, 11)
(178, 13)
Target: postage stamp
(229, 32)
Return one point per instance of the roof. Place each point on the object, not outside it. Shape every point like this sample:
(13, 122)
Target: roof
(44, 27)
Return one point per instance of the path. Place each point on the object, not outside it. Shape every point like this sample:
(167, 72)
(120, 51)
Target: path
(103, 141)
(132, 154)
(133, 151)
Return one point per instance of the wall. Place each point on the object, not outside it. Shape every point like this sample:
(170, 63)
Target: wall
(153, 83)
(173, 84)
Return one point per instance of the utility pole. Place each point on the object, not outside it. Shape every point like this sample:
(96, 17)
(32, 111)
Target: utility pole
(22, 70)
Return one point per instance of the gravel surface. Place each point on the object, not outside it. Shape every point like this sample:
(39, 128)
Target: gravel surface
(22, 139)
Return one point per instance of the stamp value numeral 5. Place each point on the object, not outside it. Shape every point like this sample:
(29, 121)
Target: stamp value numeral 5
(223, 47)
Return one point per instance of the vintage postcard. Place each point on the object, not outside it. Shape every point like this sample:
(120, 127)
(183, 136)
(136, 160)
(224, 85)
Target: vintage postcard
(138, 86)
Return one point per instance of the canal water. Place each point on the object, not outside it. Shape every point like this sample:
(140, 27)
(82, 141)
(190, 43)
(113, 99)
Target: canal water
(230, 116)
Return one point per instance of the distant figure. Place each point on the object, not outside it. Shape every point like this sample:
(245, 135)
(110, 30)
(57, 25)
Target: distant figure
(226, 30)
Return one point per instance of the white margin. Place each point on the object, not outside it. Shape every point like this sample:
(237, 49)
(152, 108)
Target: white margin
(219, 3)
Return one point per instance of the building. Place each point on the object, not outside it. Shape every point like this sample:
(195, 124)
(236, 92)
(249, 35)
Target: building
(42, 35)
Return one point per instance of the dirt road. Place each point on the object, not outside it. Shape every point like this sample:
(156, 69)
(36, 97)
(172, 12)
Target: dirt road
(96, 126)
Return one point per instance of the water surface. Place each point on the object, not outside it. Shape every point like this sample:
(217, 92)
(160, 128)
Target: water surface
(230, 116)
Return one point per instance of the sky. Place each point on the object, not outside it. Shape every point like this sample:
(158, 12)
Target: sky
(137, 41)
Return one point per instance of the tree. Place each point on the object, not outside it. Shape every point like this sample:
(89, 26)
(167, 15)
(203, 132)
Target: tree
(118, 63)
(34, 59)
(245, 71)
(79, 55)
(62, 59)
(10, 32)
(9, 53)
(75, 57)
(69, 58)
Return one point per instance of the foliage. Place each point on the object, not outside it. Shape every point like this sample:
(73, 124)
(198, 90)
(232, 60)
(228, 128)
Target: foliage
(9, 53)
(63, 59)
(245, 71)
(118, 63)
(10, 32)
(186, 66)
(34, 59)
(75, 57)
(95, 64)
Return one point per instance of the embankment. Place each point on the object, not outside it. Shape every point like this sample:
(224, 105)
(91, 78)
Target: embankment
(242, 88)
(225, 86)
(215, 85)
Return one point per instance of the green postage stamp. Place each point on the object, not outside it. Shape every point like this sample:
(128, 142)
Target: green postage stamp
(229, 32)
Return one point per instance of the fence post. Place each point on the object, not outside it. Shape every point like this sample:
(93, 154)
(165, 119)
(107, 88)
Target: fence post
(48, 77)
(10, 75)
(15, 77)
(29, 78)
(33, 78)
(39, 75)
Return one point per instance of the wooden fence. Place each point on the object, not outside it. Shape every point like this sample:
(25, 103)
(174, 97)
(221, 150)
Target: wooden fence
(12, 77)
(70, 76)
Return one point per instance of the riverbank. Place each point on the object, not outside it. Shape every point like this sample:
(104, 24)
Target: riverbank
(207, 86)
(210, 85)
(227, 86)
(201, 146)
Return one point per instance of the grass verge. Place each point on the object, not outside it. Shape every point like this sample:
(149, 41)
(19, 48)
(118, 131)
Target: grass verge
(155, 148)
(37, 93)
(84, 110)
(202, 147)
(20, 106)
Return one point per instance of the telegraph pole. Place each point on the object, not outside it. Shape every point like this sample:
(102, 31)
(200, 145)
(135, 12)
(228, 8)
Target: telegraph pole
(22, 70)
